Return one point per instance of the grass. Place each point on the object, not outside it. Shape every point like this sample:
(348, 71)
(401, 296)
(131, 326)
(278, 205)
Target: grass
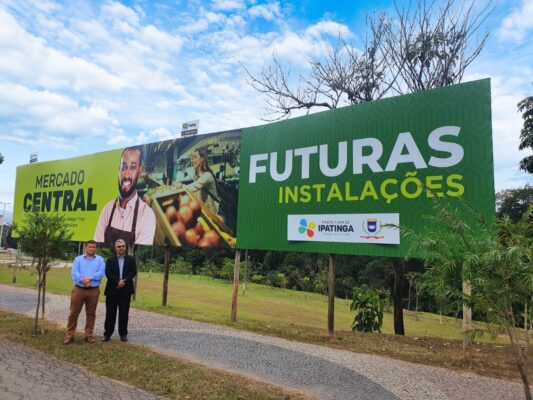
(169, 377)
(302, 316)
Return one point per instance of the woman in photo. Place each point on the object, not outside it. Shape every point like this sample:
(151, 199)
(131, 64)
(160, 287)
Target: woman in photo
(203, 185)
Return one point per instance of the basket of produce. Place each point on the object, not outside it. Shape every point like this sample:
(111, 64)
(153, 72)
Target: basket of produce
(183, 220)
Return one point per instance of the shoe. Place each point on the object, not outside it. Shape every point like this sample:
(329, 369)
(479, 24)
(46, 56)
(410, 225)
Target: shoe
(68, 341)
(89, 339)
(124, 338)
(106, 338)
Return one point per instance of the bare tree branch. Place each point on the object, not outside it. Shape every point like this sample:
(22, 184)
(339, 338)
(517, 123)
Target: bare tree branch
(423, 46)
(431, 46)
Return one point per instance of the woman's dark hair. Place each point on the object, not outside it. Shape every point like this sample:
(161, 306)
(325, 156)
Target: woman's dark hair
(204, 166)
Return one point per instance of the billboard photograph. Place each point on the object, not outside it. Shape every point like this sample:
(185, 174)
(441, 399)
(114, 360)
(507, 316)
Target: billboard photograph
(180, 192)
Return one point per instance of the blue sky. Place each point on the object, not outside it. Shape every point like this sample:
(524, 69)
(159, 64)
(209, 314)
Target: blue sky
(80, 77)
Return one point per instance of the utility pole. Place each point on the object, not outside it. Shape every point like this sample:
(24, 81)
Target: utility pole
(3, 222)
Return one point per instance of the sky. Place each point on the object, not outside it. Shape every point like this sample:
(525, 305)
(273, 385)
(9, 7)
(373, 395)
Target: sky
(79, 77)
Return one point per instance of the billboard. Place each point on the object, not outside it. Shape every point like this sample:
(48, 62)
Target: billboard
(332, 182)
(180, 192)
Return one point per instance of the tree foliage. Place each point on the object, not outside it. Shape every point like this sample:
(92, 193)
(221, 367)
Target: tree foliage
(1, 158)
(43, 236)
(497, 261)
(368, 305)
(526, 134)
(514, 203)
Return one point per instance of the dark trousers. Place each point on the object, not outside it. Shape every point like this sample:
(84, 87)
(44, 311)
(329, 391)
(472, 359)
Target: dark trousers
(112, 303)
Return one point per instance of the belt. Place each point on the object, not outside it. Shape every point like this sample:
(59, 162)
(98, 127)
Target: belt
(87, 288)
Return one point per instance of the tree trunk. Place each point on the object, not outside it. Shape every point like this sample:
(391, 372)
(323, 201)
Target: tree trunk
(525, 318)
(39, 283)
(399, 278)
(43, 301)
(409, 298)
(467, 315)
(331, 294)
(14, 279)
(236, 271)
(165, 276)
(521, 362)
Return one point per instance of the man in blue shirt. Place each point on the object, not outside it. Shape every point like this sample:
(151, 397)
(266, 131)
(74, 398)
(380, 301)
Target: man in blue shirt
(87, 272)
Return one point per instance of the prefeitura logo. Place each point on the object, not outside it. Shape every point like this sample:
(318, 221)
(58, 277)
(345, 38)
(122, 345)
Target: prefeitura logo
(307, 228)
(372, 227)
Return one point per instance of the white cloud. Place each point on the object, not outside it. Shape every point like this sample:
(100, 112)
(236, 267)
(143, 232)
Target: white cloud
(25, 57)
(228, 5)
(200, 25)
(124, 19)
(161, 40)
(330, 28)
(162, 133)
(44, 111)
(119, 139)
(267, 11)
(517, 24)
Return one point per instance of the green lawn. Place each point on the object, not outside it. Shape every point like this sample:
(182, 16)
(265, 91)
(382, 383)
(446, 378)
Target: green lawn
(205, 299)
(302, 317)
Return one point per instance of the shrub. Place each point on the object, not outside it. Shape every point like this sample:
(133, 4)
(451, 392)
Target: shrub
(368, 306)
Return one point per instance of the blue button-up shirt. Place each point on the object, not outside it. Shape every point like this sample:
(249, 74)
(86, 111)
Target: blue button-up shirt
(83, 266)
(121, 266)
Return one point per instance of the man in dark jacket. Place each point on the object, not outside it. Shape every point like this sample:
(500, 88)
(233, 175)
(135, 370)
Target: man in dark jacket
(120, 269)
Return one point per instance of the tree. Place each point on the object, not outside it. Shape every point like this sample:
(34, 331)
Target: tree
(1, 158)
(431, 44)
(368, 305)
(415, 282)
(43, 236)
(344, 75)
(526, 134)
(419, 47)
(496, 260)
(514, 202)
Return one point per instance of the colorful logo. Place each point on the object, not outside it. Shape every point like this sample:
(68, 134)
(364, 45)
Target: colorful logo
(372, 227)
(307, 228)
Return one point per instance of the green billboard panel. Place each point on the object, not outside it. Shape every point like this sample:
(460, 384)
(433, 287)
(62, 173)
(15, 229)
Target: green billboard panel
(332, 182)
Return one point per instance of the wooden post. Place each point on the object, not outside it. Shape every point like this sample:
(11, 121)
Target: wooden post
(131, 250)
(236, 271)
(399, 280)
(331, 294)
(467, 314)
(246, 277)
(165, 276)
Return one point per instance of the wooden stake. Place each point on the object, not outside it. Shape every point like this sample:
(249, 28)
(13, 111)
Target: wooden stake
(331, 294)
(236, 271)
(131, 250)
(165, 276)
(467, 314)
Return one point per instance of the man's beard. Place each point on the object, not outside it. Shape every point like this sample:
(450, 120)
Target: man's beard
(127, 193)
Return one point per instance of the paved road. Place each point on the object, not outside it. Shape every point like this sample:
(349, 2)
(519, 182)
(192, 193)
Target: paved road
(320, 371)
(27, 374)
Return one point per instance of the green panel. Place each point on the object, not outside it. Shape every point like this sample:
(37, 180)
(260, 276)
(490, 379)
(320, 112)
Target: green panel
(262, 218)
(91, 181)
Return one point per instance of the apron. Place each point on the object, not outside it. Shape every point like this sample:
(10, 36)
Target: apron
(111, 235)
